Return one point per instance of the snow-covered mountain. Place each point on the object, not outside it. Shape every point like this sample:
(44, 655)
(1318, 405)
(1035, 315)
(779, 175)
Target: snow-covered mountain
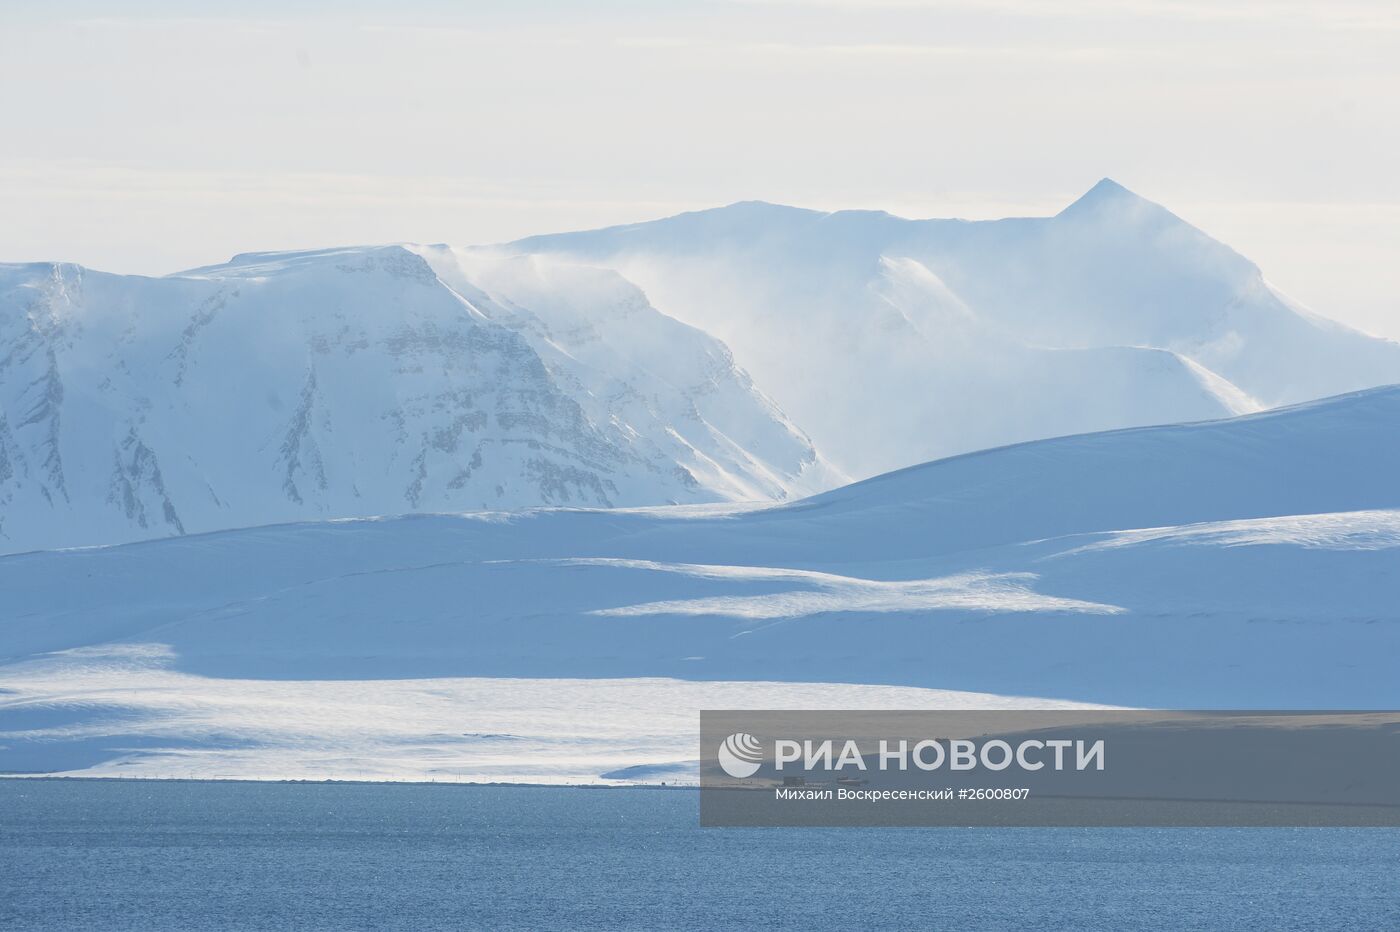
(1240, 563)
(387, 380)
(356, 382)
(893, 341)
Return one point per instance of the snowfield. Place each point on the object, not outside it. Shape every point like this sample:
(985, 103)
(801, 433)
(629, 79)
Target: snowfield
(140, 718)
(1248, 562)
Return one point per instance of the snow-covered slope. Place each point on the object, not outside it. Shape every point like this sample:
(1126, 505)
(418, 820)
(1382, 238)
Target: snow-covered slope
(358, 382)
(627, 364)
(894, 341)
(1250, 562)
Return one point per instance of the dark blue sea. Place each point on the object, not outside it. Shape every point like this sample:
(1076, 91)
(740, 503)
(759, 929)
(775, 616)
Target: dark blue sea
(186, 856)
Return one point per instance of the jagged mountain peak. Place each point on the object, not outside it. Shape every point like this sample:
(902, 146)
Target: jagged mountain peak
(1107, 192)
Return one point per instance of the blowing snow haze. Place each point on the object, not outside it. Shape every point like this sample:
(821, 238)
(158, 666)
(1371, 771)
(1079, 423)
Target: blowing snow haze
(748, 353)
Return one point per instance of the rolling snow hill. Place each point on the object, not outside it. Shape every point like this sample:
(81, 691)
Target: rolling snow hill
(895, 341)
(1250, 562)
(358, 382)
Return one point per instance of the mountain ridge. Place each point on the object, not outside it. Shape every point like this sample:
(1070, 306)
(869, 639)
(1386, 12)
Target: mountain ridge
(801, 301)
(748, 352)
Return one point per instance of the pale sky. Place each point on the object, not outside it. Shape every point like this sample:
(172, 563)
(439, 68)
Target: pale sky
(153, 139)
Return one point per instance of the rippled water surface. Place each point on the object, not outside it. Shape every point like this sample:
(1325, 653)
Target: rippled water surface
(186, 856)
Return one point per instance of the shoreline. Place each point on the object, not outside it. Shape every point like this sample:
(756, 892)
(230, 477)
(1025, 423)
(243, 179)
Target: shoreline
(17, 777)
